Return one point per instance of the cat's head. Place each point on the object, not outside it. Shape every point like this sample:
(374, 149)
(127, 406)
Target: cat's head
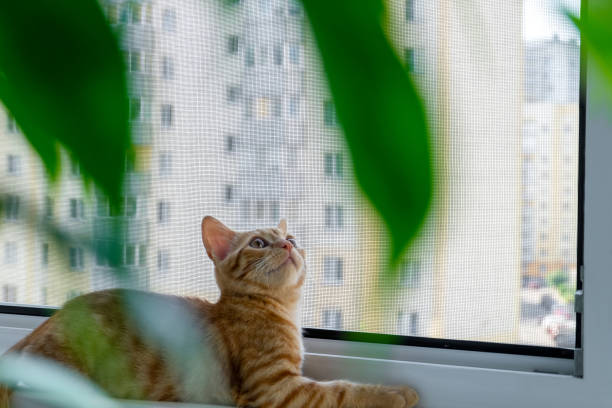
(264, 261)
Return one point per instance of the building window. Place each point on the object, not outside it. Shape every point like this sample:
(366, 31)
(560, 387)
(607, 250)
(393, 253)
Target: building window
(409, 59)
(150, 13)
(75, 168)
(294, 106)
(135, 13)
(13, 164)
(142, 255)
(263, 107)
(277, 107)
(11, 208)
(10, 253)
(129, 255)
(135, 109)
(260, 210)
(278, 54)
(249, 57)
(130, 206)
(248, 107)
(167, 67)
(233, 94)
(230, 143)
(294, 54)
(274, 211)
(163, 212)
(102, 207)
(333, 165)
(332, 270)
(77, 209)
(329, 114)
(75, 255)
(410, 273)
(233, 42)
(134, 61)
(163, 260)
(407, 323)
(409, 11)
(245, 210)
(329, 164)
(11, 125)
(294, 8)
(9, 293)
(166, 116)
(165, 163)
(229, 193)
(332, 319)
(334, 216)
(102, 253)
(169, 20)
(44, 258)
(48, 207)
(263, 55)
(112, 13)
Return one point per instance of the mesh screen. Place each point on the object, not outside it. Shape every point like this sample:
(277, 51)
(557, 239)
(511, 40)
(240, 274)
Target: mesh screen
(232, 118)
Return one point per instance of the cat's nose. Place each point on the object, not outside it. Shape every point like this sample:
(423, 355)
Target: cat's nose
(285, 244)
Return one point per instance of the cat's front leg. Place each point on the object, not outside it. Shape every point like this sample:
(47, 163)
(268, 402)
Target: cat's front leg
(375, 396)
(300, 392)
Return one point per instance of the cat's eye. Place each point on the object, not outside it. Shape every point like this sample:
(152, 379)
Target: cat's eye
(258, 243)
(293, 242)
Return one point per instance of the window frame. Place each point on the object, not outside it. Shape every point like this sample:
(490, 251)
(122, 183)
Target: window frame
(452, 374)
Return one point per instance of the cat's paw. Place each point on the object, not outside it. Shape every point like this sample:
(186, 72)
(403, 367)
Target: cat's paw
(409, 395)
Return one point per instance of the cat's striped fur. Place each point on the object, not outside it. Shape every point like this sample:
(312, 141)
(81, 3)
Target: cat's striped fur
(253, 331)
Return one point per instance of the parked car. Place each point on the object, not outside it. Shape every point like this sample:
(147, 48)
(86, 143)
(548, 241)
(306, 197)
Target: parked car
(560, 324)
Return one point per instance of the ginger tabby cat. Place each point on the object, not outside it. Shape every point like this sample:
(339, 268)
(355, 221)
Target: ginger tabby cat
(253, 330)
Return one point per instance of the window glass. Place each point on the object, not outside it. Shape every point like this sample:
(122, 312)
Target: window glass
(409, 10)
(167, 67)
(165, 164)
(135, 109)
(232, 44)
(169, 20)
(166, 116)
(11, 207)
(255, 137)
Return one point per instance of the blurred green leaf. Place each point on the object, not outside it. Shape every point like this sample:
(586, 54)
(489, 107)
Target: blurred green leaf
(62, 77)
(95, 348)
(170, 324)
(51, 383)
(596, 31)
(381, 114)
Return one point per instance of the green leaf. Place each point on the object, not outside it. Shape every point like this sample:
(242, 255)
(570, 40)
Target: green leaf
(51, 383)
(62, 77)
(380, 111)
(170, 324)
(596, 30)
(95, 349)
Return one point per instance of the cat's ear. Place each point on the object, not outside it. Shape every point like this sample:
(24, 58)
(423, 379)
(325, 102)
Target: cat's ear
(217, 238)
(282, 225)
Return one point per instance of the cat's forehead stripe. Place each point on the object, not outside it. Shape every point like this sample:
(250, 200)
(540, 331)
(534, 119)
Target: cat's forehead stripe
(268, 234)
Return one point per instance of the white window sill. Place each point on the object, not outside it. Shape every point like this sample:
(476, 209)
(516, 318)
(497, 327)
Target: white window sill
(440, 385)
